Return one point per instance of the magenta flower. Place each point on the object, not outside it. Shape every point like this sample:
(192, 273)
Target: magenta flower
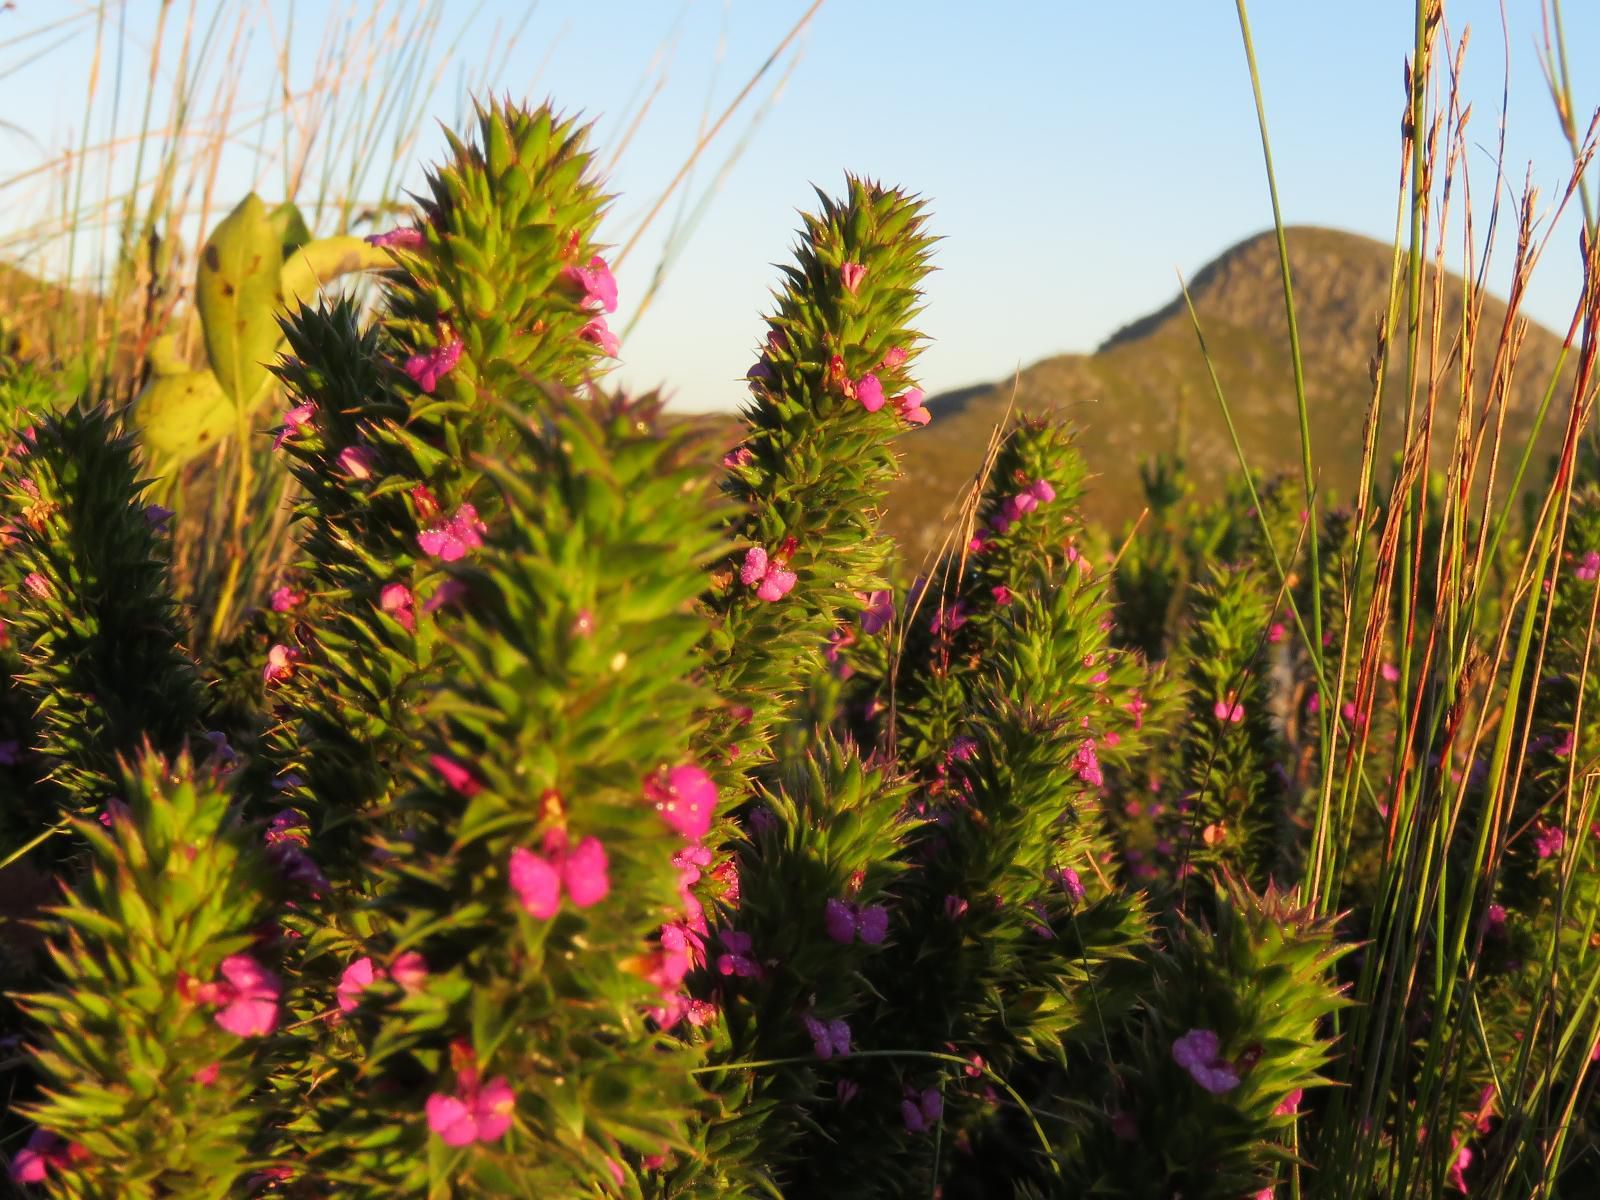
(846, 921)
(1228, 709)
(296, 419)
(357, 978)
(737, 960)
(248, 994)
(538, 879)
(45, 1152)
(895, 359)
(427, 368)
(357, 462)
(450, 541)
(949, 619)
(912, 408)
(1390, 672)
(869, 392)
(879, 612)
(1197, 1052)
(594, 283)
(955, 907)
(1549, 840)
(851, 274)
(38, 585)
(1276, 632)
(1456, 1176)
(280, 664)
(686, 801)
(1001, 594)
(446, 594)
(402, 238)
(829, 1037)
(1086, 763)
(1041, 491)
(771, 578)
(410, 971)
(1072, 885)
(599, 333)
(739, 456)
(1590, 567)
(473, 1115)
(397, 601)
(1290, 1104)
(921, 1111)
(455, 775)
(206, 1075)
(286, 599)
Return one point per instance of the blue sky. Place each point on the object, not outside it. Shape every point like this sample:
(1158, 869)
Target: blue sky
(1076, 155)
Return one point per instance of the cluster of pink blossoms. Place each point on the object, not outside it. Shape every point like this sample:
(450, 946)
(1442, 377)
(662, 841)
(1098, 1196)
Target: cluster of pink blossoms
(44, 1153)
(409, 971)
(474, 1113)
(582, 871)
(768, 574)
(1014, 508)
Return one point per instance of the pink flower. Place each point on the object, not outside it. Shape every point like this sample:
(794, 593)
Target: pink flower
(296, 419)
(771, 578)
(1086, 763)
(357, 978)
(248, 994)
(396, 600)
(921, 1111)
(737, 960)
(829, 1037)
(869, 392)
(1228, 709)
(912, 408)
(539, 878)
(1072, 884)
(450, 541)
(404, 238)
(599, 333)
(446, 594)
(1001, 594)
(739, 456)
(1456, 1176)
(962, 749)
(357, 462)
(846, 921)
(1276, 632)
(286, 599)
(595, 283)
(1549, 840)
(455, 775)
(851, 275)
(879, 612)
(1197, 1053)
(1590, 567)
(38, 585)
(1041, 491)
(206, 1075)
(45, 1152)
(280, 664)
(410, 971)
(473, 1115)
(427, 368)
(955, 907)
(1290, 1104)
(686, 801)
(894, 359)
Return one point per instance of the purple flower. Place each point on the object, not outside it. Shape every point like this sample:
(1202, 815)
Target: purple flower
(846, 921)
(428, 368)
(921, 1111)
(955, 907)
(1197, 1052)
(829, 1037)
(595, 283)
(879, 612)
(737, 960)
(1072, 884)
(949, 619)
